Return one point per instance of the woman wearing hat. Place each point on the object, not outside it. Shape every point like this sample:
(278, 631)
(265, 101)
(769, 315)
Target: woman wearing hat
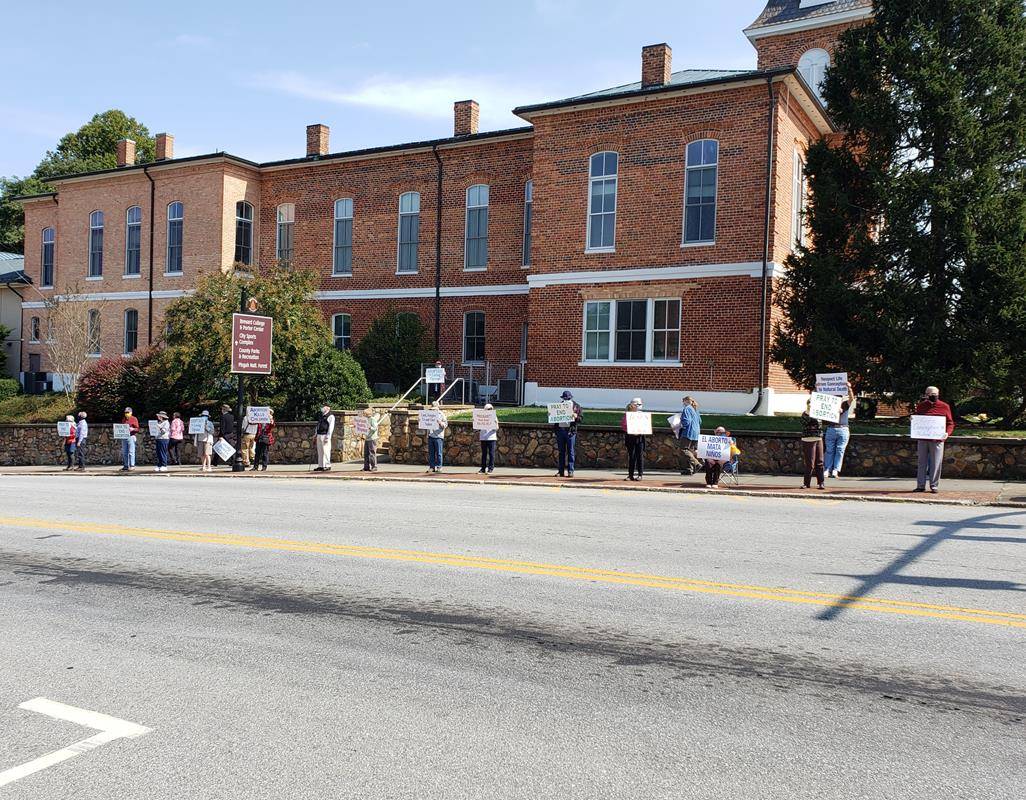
(205, 442)
(162, 439)
(635, 444)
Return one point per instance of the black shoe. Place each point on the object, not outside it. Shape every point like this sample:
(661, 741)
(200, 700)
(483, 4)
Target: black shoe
(560, 475)
(919, 489)
(263, 468)
(491, 470)
(318, 469)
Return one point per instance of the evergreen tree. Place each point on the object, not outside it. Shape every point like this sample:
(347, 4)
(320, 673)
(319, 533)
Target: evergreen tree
(394, 348)
(916, 273)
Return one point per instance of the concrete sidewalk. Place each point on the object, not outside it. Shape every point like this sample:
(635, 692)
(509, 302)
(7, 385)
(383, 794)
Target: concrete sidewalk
(960, 492)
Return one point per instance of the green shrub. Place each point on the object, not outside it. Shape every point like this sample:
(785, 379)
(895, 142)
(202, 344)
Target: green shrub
(329, 376)
(394, 348)
(8, 388)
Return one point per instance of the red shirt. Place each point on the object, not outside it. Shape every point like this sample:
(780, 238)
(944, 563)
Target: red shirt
(132, 423)
(70, 438)
(926, 408)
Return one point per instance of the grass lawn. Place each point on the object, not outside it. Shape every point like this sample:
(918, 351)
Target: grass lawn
(736, 423)
(34, 408)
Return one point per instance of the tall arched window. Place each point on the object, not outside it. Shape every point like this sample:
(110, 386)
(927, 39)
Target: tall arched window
(243, 232)
(341, 326)
(409, 231)
(286, 221)
(342, 258)
(603, 170)
(476, 250)
(34, 329)
(133, 240)
(46, 257)
(700, 177)
(131, 330)
(813, 66)
(175, 222)
(528, 204)
(96, 244)
(93, 332)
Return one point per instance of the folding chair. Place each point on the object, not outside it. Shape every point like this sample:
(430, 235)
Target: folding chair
(732, 471)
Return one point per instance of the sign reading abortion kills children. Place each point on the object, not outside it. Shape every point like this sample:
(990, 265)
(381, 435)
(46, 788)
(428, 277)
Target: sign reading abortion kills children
(122, 431)
(428, 419)
(259, 415)
(825, 407)
(434, 375)
(832, 383)
(929, 427)
(485, 419)
(714, 448)
(561, 413)
(251, 344)
(639, 423)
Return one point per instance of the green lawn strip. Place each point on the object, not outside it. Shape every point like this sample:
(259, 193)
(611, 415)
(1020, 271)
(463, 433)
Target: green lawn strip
(24, 408)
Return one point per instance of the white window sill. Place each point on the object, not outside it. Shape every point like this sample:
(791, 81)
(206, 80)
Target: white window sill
(46, 286)
(698, 244)
(475, 269)
(407, 272)
(34, 341)
(670, 364)
(94, 277)
(341, 274)
(473, 363)
(599, 249)
(130, 277)
(174, 274)
(525, 266)
(92, 355)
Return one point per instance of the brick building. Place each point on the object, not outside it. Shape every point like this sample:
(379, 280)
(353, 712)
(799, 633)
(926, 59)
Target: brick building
(624, 242)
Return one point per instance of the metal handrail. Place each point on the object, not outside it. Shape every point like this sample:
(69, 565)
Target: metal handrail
(451, 387)
(406, 394)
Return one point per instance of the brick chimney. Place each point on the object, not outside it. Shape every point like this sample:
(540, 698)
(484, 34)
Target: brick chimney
(317, 140)
(126, 152)
(466, 114)
(165, 146)
(656, 65)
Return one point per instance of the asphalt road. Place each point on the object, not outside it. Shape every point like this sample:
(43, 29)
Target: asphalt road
(307, 639)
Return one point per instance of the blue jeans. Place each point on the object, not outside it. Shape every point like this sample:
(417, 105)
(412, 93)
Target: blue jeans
(434, 452)
(162, 452)
(566, 443)
(836, 444)
(128, 452)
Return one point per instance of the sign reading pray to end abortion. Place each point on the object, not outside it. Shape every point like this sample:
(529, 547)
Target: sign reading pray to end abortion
(561, 413)
(826, 407)
(122, 431)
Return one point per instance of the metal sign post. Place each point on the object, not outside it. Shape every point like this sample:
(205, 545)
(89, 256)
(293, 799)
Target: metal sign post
(251, 355)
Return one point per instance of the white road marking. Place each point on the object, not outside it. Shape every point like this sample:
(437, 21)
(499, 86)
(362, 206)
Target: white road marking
(110, 729)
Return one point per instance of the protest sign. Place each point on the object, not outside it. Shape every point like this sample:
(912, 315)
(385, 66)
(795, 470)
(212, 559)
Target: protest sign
(929, 427)
(151, 426)
(361, 425)
(122, 431)
(428, 419)
(259, 415)
(485, 420)
(560, 413)
(832, 383)
(434, 375)
(64, 429)
(224, 450)
(826, 407)
(714, 448)
(197, 424)
(639, 423)
(674, 423)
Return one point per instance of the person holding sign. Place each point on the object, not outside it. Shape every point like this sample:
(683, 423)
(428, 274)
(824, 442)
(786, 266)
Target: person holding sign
(70, 439)
(436, 438)
(489, 442)
(322, 439)
(717, 452)
(162, 437)
(812, 447)
(81, 437)
(837, 435)
(566, 438)
(249, 430)
(931, 451)
(264, 440)
(204, 441)
(177, 433)
(634, 442)
(128, 445)
(690, 430)
(370, 440)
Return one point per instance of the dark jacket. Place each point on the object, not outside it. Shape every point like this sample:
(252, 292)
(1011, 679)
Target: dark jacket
(571, 429)
(227, 425)
(811, 426)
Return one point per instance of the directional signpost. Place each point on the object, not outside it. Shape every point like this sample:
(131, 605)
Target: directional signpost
(251, 355)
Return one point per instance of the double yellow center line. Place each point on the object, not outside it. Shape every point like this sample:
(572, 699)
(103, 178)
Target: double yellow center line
(569, 572)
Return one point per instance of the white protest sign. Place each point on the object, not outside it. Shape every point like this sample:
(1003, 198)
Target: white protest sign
(122, 431)
(674, 423)
(259, 415)
(428, 419)
(152, 427)
(64, 428)
(485, 419)
(561, 412)
(224, 450)
(826, 407)
(434, 375)
(832, 383)
(639, 423)
(929, 427)
(714, 448)
(361, 425)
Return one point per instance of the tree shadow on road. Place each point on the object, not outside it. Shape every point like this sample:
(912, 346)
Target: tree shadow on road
(946, 531)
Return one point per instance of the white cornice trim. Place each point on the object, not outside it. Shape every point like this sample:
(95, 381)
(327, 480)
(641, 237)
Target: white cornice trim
(822, 21)
(92, 297)
(137, 170)
(499, 290)
(750, 269)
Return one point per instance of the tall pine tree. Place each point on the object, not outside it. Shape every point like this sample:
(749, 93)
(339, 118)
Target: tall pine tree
(916, 271)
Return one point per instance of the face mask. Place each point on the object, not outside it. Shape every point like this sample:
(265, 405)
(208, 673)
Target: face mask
(933, 398)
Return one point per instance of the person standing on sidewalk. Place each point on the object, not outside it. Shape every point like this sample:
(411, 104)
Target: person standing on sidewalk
(370, 441)
(812, 447)
(489, 443)
(226, 430)
(635, 444)
(931, 451)
(837, 435)
(436, 440)
(249, 432)
(81, 438)
(690, 430)
(161, 440)
(128, 445)
(205, 442)
(264, 440)
(69, 441)
(322, 439)
(566, 439)
(177, 433)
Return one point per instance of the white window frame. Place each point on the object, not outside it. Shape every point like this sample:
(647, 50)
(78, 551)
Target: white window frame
(125, 273)
(124, 319)
(823, 64)
(89, 254)
(484, 337)
(278, 222)
(335, 338)
(35, 329)
(649, 334)
(399, 234)
(487, 205)
(688, 167)
(94, 313)
(167, 239)
(335, 219)
(616, 202)
(799, 198)
(528, 223)
(49, 229)
(252, 229)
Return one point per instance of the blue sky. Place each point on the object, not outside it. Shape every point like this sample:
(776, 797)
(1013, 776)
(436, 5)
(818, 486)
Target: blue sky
(248, 77)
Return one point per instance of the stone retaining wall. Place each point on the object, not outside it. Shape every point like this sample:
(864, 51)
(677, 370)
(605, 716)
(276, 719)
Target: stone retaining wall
(533, 445)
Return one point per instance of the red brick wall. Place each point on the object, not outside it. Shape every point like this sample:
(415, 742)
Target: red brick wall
(784, 50)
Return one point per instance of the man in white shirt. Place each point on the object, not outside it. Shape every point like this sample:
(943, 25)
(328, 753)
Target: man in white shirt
(325, 429)
(81, 437)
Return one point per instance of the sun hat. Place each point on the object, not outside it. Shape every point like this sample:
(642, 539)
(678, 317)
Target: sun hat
(636, 401)
(161, 414)
(204, 413)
